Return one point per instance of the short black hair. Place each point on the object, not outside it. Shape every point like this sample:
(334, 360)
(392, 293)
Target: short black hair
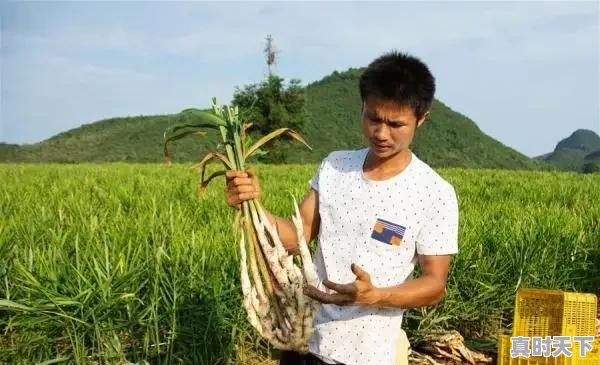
(400, 78)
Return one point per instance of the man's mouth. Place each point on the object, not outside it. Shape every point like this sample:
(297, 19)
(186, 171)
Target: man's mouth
(381, 146)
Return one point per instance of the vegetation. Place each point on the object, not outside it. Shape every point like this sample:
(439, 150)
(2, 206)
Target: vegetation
(591, 163)
(99, 263)
(578, 152)
(270, 279)
(332, 122)
(591, 167)
(271, 105)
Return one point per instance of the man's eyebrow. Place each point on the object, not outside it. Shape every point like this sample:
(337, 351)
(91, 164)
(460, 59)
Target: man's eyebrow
(374, 116)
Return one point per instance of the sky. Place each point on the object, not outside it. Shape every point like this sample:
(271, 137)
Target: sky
(526, 72)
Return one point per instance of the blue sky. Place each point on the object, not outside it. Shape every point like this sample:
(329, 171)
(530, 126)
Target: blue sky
(526, 72)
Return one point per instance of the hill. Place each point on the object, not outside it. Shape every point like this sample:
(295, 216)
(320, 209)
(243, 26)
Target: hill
(8, 151)
(333, 109)
(591, 163)
(573, 152)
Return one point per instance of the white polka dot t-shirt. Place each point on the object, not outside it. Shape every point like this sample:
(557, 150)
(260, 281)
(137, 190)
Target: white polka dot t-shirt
(382, 226)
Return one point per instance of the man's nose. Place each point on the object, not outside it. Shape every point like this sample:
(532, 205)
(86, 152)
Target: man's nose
(381, 131)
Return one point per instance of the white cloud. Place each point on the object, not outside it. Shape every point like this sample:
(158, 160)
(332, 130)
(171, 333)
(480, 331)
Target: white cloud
(159, 57)
(46, 96)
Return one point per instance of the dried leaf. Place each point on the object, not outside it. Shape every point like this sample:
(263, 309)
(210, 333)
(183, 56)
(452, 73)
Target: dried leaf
(176, 137)
(204, 183)
(276, 133)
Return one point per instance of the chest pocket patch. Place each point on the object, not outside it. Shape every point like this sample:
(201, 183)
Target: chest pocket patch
(388, 232)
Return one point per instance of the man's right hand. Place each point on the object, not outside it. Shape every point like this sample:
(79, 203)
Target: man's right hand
(241, 186)
(244, 185)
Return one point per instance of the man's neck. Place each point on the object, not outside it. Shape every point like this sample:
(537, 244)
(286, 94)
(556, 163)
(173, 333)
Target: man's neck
(393, 164)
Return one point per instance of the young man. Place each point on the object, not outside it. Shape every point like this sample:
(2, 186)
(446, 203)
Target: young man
(377, 212)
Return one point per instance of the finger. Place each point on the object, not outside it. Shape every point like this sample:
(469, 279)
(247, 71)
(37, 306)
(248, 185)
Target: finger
(236, 197)
(247, 196)
(252, 175)
(230, 183)
(234, 203)
(242, 181)
(336, 298)
(245, 189)
(341, 288)
(230, 174)
(231, 199)
(233, 186)
(360, 273)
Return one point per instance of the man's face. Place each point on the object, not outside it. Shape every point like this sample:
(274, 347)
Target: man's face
(388, 127)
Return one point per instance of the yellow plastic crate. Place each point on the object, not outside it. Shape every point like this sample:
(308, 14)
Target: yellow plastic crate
(538, 312)
(504, 350)
(579, 314)
(591, 357)
(536, 360)
(505, 359)
(543, 312)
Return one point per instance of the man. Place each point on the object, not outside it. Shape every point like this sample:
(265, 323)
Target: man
(377, 211)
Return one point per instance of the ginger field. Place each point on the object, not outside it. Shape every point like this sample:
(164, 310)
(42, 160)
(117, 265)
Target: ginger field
(117, 263)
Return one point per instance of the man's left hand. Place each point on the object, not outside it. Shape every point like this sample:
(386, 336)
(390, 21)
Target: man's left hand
(361, 291)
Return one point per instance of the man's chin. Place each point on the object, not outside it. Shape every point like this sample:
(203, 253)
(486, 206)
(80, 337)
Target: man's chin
(383, 152)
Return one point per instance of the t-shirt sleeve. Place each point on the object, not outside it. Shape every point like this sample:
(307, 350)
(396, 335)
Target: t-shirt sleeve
(439, 236)
(314, 181)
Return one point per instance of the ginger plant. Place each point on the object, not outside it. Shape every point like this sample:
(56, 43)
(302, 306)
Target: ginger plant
(271, 280)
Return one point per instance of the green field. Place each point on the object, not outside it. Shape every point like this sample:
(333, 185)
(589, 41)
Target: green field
(102, 263)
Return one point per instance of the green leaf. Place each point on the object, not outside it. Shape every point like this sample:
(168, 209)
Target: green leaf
(205, 117)
(190, 125)
(10, 305)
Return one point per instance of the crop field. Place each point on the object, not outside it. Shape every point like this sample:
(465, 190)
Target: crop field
(116, 263)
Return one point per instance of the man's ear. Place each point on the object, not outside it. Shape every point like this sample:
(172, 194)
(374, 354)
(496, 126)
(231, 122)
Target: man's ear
(423, 119)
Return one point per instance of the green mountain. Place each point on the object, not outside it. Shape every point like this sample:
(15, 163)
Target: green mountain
(8, 151)
(333, 122)
(591, 163)
(573, 152)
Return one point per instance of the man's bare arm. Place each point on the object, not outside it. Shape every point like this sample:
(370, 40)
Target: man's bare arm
(309, 211)
(428, 289)
(244, 185)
